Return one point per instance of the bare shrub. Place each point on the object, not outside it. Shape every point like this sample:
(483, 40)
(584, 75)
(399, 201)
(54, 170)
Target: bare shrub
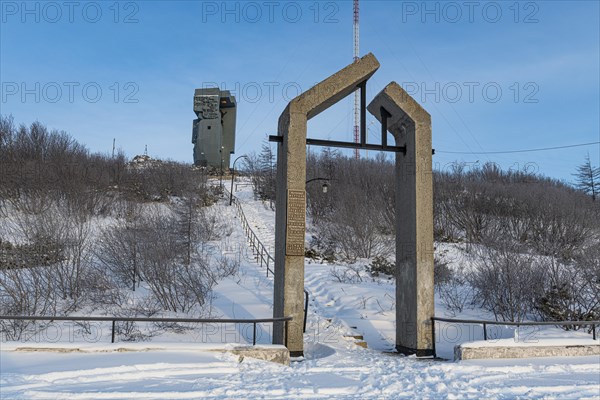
(212, 225)
(506, 282)
(51, 187)
(117, 250)
(102, 289)
(167, 251)
(24, 292)
(57, 246)
(347, 274)
(354, 232)
(117, 247)
(572, 291)
(176, 284)
(355, 218)
(175, 327)
(441, 271)
(40, 166)
(227, 267)
(157, 180)
(70, 272)
(454, 289)
(129, 331)
(559, 228)
(146, 307)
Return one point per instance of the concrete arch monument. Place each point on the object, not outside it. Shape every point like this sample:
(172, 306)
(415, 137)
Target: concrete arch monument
(409, 124)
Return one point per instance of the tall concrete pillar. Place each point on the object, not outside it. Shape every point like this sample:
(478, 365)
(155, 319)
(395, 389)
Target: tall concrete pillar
(410, 125)
(290, 216)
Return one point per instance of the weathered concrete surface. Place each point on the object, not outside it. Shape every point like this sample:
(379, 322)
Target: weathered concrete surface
(291, 181)
(410, 125)
(489, 352)
(276, 354)
(272, 353)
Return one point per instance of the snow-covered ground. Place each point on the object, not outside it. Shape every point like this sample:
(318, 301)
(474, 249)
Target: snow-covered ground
(339, 370)
(333, 365)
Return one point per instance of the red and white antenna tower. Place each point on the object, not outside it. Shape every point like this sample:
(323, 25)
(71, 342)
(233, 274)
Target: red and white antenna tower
(356, 93)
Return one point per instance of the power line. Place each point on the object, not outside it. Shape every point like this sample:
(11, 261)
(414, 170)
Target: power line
(517, 151)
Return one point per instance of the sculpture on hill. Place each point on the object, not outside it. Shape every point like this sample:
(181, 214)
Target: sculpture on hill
(213, 133)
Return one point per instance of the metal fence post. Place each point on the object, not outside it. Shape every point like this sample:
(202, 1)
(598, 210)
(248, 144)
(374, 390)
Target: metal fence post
(433, 336)
(256, 246)
(113, 332)
(305, 310)
(262, 249)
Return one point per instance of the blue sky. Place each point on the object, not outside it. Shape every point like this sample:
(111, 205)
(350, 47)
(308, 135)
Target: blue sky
(494, 75)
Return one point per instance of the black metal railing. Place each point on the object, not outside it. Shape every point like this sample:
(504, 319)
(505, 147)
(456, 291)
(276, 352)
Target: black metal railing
(115, 319)
(259, 250)
(485, 323)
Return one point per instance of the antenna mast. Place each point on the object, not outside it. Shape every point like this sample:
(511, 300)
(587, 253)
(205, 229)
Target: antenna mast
(356, 93)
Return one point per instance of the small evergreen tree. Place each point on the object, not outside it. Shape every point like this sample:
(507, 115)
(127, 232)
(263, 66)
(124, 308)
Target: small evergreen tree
(588, 178)
(267, 168)
(262, 170)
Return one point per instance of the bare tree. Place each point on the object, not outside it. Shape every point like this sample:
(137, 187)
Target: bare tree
(187, 223)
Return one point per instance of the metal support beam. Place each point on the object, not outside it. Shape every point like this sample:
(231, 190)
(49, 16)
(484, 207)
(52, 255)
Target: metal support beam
(384, 125)
(346, 145)
(363, 113)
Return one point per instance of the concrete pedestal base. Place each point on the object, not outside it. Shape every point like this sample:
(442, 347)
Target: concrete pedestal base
(464, 352)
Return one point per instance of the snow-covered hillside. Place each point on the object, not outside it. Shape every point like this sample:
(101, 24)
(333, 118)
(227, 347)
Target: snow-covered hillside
(333, 366)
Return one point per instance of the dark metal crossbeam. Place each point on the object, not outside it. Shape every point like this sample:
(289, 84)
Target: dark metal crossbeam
(352, 145)
(363, 145)
(347, 145)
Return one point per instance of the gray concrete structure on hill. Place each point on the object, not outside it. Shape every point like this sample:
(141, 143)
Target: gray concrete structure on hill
(213, 132)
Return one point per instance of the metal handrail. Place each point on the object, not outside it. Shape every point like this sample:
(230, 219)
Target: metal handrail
(524, 323)
(262, 254)
(148, 319)
(485, 323)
